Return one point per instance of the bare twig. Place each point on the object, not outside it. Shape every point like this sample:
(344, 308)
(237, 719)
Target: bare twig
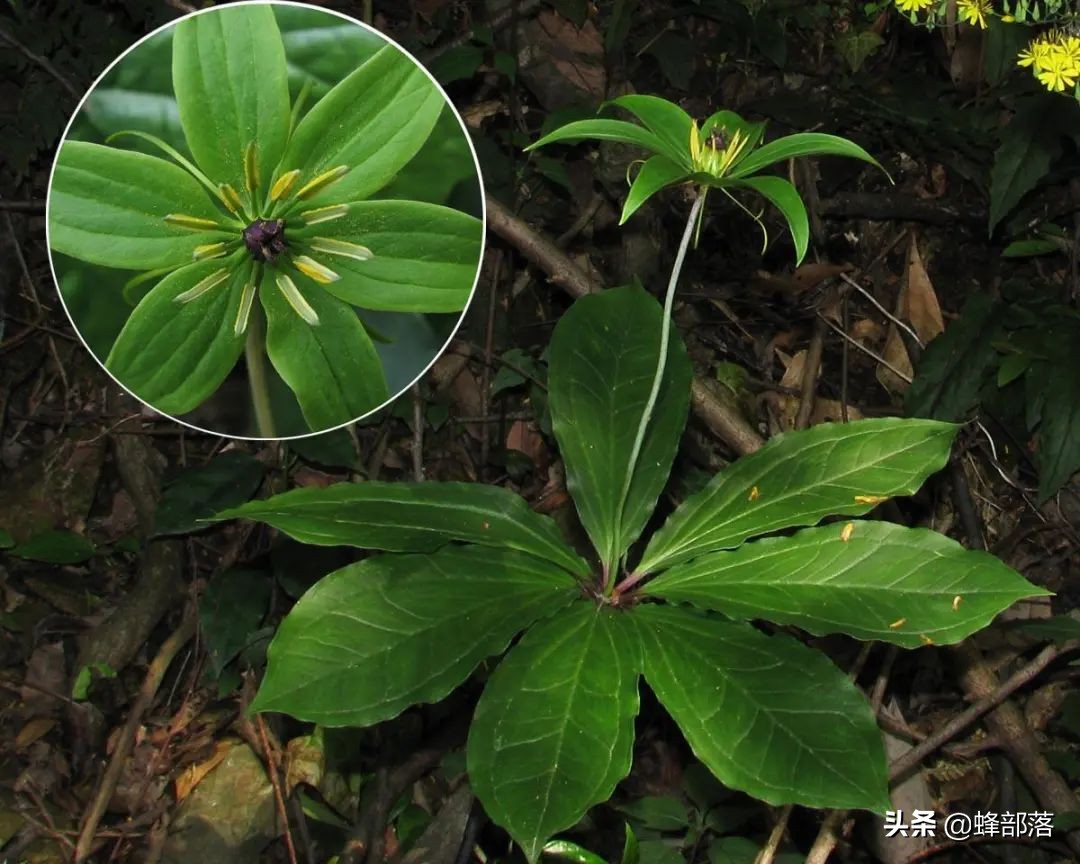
(869, 351)
(43, 62)
(417, 433)
(34, 207)
(279, 799)
(126, 740)
(811, 369)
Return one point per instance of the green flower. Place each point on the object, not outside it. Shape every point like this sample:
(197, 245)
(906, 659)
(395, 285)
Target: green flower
(273, 202)
(724, 153)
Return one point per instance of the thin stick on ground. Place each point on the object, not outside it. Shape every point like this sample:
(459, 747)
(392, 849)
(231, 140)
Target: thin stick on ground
(155, 673)
(279, 798)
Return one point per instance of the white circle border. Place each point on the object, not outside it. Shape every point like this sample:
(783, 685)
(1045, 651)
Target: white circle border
(446, 99)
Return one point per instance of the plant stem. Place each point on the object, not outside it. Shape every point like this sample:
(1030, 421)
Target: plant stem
(661, 362)
(255, 357)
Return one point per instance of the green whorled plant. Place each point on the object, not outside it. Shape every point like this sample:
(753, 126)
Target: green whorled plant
(275, 202)
(468, 567)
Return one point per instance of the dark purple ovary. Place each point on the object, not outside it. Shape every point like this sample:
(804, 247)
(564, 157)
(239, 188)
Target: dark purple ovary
(265, 239)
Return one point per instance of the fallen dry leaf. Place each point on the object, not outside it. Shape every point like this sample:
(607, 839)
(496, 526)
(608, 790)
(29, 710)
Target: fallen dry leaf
(918, 305)
(191, 776)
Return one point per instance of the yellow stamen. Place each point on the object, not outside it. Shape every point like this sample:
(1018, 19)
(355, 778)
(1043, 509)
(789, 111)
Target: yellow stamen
(231, 198)
(251, 167)
(296, 300)
(322, 181)
(200, 288)
(195, 223)
(342, 248)
(209, 250)
(283, 184)
(324, 214)
(314, 270)
(244, 313)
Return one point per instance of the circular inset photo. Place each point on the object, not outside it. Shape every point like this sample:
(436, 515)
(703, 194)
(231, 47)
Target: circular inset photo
(265, 220)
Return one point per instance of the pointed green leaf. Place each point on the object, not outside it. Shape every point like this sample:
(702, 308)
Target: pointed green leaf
(554, 730)
(908, 586)
(232, 89)
(765, 714)
(424, 257)
(373, 123)
(174, 355)
(799, 478)
(411, 517)
(655, 174)
(108, 206)
(373, 638)
(332, 366)
(603, 359)
(785, 198)
(666, 120)
(603, 130)
(801, 144)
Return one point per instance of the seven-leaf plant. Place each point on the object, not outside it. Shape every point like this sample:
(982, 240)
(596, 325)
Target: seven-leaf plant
(273, 203)
(467, 568)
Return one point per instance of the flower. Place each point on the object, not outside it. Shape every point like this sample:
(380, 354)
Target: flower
(275, 202)
(974, 11)
(912, 6)
(1054, 59)
(715, 151)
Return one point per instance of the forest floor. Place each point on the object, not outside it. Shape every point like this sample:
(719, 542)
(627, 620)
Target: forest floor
(123, 687)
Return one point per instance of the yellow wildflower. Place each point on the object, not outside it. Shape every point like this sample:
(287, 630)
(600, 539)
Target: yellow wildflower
(974, 11)
(914, 5)
(1058, 73)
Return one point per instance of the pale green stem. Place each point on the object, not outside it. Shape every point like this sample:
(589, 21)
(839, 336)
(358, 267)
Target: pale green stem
(661, 362)
(255, 357)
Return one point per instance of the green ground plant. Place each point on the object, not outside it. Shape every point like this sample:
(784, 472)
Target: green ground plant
(277, 200)
(467, 569)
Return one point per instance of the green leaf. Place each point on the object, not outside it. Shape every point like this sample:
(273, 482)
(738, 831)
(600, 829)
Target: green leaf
(801, 144)
(554, 730)
(908, 586)
(332, 367)
(603, 130)
(797, 479)
(424, 257)
(785, 197)
(174, 355)
(373, 123)
(766, 714)
(655, 174)
(1057, 385)
(603, 359)
(230, 611)
(373, 638)
(1029, 145)
(321, 48)
(80, 688)
(1060, 628)
(232, 88)
(411, 517)
(55, 547)
(199, 492)
(108, 207)
(957, 364)
(666, 120)
(111, 109)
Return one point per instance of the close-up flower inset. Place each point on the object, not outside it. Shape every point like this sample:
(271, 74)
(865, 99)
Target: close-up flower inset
(264, 191)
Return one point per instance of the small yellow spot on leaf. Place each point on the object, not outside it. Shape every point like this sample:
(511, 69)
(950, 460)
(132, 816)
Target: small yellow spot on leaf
(847, 531)
(898, 623)
(870, 499)
(956, 603)
(754, 494)
(926, 640)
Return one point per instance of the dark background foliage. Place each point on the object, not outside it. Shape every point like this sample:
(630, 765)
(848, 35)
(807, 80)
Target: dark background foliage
(107, 566)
